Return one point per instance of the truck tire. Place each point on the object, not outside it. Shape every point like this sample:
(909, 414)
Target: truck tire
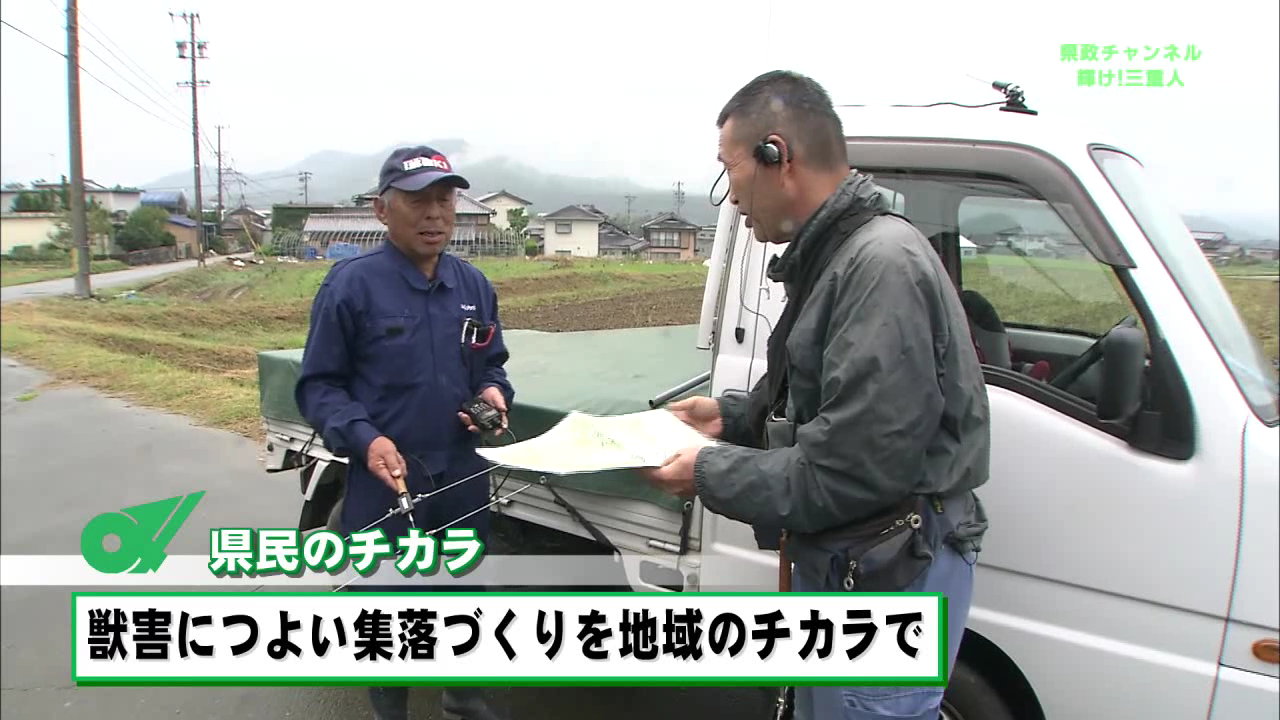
(970, 696)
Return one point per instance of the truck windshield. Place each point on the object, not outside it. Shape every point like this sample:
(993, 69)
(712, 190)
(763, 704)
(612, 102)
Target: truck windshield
(1197, 280)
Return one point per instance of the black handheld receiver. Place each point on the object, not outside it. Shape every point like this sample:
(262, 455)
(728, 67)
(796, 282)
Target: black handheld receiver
(485, 416)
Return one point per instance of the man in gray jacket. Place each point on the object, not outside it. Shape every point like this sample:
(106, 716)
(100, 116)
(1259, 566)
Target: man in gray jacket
(873, 409)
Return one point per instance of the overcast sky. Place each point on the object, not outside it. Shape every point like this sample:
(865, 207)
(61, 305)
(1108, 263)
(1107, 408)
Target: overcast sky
(583, 88)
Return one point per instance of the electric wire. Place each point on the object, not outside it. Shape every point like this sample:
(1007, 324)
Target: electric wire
(95, 78)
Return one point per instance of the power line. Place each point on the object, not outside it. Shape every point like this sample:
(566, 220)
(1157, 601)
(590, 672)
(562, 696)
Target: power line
(149, 94)
(95, 78)
(151, 89)
(58, 52)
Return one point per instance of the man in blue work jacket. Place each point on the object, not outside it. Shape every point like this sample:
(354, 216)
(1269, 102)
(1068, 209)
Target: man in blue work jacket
(400, 338)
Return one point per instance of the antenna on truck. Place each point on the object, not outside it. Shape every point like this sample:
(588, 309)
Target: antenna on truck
(1015, 100)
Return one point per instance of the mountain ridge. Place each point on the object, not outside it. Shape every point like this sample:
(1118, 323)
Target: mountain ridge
(337, 176)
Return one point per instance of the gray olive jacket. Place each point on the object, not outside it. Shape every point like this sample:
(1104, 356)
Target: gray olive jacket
(886, 393)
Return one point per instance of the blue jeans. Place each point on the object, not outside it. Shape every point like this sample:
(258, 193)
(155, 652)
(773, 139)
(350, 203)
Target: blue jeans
(950, 574)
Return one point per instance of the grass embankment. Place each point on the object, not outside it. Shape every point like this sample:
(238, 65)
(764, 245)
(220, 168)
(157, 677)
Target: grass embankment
(21, 273)
(189, 343)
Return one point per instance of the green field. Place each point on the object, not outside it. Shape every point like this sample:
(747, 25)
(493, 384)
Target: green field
(1250, 269)
(1082, 295)
(189, 343)
(21, 273)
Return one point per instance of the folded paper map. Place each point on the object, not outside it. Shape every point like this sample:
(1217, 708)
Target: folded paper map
(582, 443)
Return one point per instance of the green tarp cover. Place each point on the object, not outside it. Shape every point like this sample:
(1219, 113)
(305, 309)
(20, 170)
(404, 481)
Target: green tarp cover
(602, 372)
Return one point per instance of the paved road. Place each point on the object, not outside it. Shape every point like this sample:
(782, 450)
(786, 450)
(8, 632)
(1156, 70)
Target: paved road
(68, 454)
(66, 286)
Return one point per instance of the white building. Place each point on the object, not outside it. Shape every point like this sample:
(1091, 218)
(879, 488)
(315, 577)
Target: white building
(119, 201)
(573, 230)
(502, 201)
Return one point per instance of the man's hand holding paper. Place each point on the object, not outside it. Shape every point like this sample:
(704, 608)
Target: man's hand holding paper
(675, 476)
(582, 443)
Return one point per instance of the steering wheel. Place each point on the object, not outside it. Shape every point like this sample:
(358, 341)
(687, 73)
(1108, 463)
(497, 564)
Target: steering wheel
(1085, 360)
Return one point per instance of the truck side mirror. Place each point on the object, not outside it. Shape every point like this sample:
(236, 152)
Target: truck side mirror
(1124, 361)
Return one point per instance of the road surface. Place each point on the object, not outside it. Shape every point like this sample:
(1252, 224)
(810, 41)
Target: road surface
(67, 286)
(69, 454)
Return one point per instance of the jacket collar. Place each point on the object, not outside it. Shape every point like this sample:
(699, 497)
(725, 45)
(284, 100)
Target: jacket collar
(446, 268)
(856, 193)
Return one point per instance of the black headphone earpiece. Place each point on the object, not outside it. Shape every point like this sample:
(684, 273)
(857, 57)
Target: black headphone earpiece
(768, 152)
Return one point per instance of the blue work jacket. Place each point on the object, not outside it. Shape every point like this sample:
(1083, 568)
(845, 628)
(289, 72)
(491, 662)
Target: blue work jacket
(386, 355)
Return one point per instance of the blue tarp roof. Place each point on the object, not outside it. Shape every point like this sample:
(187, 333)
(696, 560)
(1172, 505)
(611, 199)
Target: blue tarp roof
(169, 197)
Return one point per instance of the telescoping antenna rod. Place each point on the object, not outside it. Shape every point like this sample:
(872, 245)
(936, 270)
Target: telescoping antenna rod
(424, 496)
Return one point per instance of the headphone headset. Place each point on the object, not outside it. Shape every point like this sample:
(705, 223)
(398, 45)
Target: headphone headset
(768, 152)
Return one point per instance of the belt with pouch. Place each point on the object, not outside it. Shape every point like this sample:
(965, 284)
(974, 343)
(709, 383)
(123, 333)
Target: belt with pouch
(885, 553)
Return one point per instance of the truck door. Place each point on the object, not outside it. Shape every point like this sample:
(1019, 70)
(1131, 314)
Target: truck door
(1107, 571)
(1084, 578)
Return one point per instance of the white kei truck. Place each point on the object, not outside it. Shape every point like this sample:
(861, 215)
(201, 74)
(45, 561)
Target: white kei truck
(1132, 565)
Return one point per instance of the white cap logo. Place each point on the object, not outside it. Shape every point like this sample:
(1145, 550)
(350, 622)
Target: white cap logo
(436, 161)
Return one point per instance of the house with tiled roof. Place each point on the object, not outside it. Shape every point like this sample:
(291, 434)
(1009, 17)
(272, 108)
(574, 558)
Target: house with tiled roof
(1216, 246)
(503, 202)
(175, 201)
(586, 231)
(573, 230)
(670, 237)
(359, 224)
(614, 241)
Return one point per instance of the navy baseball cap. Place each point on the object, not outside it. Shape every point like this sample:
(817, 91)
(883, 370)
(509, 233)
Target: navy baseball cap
(414, 168)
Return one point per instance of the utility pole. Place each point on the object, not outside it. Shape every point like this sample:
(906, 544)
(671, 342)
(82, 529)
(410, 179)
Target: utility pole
(220, 174)
(304, 177)
(678, 195)
(630, 199)
(197, 50)
(75, 194)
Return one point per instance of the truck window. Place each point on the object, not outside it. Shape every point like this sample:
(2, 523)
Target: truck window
(1036, 297)
(1198, 282)
(897, 202)
(1034, 270)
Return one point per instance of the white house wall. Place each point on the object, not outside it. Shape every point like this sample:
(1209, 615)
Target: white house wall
(112, 201)
(116, 202)
(584, 241)
(25, 229)
(502, 205)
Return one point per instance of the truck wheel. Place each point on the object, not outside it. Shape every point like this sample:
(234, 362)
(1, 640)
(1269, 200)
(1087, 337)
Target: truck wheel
(970, 696)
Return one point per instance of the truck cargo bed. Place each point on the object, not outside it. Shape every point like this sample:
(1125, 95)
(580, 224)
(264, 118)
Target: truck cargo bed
(603, 372)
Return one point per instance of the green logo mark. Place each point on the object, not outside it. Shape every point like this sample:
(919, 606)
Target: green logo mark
(142, 532)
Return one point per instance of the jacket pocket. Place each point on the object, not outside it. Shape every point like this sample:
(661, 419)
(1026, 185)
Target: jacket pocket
(880, 557)
(394, 350)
